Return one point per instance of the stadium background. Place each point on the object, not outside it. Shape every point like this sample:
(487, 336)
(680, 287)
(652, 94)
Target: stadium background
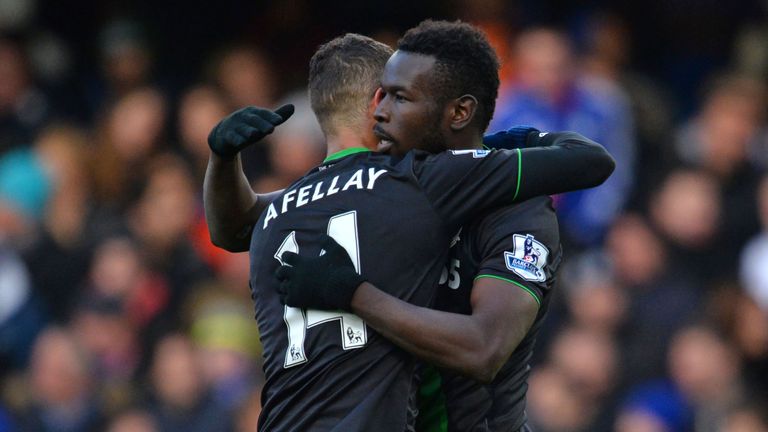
(117, 314)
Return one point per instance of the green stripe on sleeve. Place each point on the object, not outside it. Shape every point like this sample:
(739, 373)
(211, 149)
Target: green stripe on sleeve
(525, 288)
(519, 173)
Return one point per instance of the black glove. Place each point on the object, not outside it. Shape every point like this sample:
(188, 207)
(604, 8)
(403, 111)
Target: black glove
(326, 282)
(245, 127)
(514, 137)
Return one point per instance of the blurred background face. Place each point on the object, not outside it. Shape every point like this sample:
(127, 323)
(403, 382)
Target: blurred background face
(544, 61)
(247, 77)
(59, 373)
(701, 364)
(635, 250)
(133, 421)
(588, 360)
(687, 208)
(201, 108)
(136, 123)
(165, 210)
(176, 374)
(13, 74)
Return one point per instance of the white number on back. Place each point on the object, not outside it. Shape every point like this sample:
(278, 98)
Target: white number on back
(343, 229)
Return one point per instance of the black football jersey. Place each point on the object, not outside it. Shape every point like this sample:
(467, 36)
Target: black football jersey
(519, 244)
(327, 371)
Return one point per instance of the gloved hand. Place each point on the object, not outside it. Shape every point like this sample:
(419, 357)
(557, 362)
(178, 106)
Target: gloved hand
(245, 127)
(512, 138)
(326, 282)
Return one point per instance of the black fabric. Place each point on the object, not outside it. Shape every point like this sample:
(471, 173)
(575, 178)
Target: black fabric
(368, 203)
(480, 250)
(325, 371)
(325, 282)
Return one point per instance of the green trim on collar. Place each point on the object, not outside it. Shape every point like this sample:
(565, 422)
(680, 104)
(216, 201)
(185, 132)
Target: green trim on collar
(344, 153)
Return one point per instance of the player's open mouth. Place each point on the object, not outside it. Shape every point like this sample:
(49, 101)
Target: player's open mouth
(385, 140)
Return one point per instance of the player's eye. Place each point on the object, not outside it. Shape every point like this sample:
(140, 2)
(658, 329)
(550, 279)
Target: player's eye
(399, 98)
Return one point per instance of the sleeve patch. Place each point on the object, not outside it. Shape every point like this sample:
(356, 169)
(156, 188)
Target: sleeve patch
(476, 153)
(528, 258)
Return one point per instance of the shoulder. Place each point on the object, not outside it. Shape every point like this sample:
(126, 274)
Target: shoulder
(536, 215)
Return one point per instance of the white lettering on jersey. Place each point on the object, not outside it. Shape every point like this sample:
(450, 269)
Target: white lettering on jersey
(297, 198)
(476, 153)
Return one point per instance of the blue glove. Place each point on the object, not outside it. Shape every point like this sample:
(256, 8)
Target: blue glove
(512, 138)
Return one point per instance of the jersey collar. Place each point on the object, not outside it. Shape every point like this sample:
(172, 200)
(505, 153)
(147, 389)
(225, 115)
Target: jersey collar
(344, 153)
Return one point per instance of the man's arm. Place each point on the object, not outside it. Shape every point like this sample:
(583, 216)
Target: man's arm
(561, 162)
(231, 206)
(463, 184)
(475, 345)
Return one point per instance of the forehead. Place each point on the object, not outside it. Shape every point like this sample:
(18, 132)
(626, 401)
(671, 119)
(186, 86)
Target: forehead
(407, 70)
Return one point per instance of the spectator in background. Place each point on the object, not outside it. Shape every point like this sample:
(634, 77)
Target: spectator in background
(61, 387)
(21, 315)
(661, 297)
(25, 187)
(654, 407)
(222, 329)
(605, 40)
(595, 300)
(24, 109)
(201, 107)
(718, 140)
(133, 420)
(63, 245)
(549, 95)
(248, 416)
(754, 257)
(589, 363)
(551, 392)
(247, 77)
(130, 134)
(706, 369)
(181, 399)
(111, 343)
(294, 150)
(126, 64)
(746, 418)
(692, 241)
(161, 221)
(493, 17)
(6, 424)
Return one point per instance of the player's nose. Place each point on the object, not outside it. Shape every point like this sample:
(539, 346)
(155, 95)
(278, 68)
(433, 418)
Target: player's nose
(381, 114)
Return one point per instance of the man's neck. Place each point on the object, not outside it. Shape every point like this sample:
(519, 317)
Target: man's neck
(345, 139)
(466, 143)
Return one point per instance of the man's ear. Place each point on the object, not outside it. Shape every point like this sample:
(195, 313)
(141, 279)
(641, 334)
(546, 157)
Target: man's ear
(463, 111)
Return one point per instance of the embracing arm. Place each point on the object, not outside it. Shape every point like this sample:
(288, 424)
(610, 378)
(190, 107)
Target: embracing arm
(231, 206)
(562, 162)
(475, 345)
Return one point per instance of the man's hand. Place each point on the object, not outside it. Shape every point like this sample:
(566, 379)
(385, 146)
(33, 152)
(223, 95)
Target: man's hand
(512, 138)
(245, 127)
(325, 282)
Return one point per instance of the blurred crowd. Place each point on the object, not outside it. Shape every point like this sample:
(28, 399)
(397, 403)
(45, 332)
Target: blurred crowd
(118, 314)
